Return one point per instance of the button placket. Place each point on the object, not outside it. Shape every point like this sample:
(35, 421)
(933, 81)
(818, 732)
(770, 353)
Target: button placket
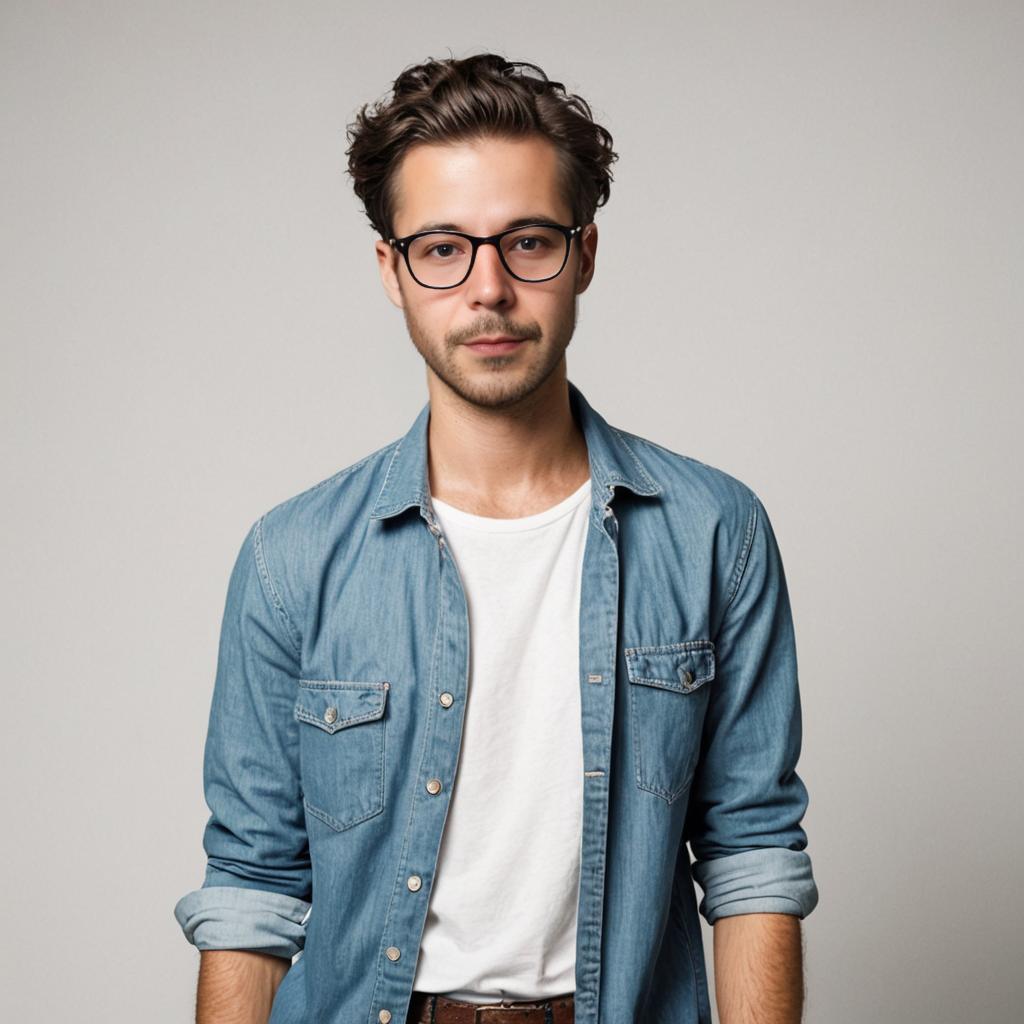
(434, 786)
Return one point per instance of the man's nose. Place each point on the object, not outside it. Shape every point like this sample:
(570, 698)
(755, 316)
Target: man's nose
(489, 283)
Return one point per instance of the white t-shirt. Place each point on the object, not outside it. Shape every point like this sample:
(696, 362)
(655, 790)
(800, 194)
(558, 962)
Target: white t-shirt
(501, 923)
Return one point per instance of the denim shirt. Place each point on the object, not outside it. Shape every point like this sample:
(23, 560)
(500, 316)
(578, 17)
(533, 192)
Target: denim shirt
(336, 720)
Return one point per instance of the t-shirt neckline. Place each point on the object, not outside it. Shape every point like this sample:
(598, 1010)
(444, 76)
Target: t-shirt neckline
(491, 524)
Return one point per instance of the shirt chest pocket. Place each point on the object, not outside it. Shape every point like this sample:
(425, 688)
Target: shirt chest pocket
(342, 730)
(668, 695)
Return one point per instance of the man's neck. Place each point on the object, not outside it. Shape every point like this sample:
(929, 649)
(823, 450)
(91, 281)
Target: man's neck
(506, 463)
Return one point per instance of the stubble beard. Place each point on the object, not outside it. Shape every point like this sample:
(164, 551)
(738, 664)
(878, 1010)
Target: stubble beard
(493, 385)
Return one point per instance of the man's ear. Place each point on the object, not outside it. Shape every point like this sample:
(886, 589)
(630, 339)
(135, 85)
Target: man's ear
(387, 263)
(588, 255)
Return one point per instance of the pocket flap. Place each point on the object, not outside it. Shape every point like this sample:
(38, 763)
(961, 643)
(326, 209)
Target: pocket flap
(334, 704)
(684, 666)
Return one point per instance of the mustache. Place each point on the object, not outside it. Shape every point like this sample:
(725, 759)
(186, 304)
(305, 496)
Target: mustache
(524, 332)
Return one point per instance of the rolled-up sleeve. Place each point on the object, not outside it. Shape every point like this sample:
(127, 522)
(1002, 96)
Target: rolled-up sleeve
(747, 801)
(256, 894)
(226, 917)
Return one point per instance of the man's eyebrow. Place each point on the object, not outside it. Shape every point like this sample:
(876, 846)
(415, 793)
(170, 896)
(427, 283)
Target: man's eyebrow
(539, 218)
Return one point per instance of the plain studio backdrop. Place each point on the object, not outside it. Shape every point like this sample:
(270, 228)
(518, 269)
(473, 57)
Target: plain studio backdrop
(809, 275)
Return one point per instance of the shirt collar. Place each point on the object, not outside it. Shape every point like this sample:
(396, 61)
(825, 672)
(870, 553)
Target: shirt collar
(612, 463)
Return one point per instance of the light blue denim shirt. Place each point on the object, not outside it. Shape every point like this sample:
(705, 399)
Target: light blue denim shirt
(337, 713)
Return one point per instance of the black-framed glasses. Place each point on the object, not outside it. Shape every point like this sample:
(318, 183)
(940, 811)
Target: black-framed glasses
(444, 259)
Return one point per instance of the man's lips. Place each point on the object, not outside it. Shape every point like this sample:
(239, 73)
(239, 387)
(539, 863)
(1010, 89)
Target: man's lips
(495, 344)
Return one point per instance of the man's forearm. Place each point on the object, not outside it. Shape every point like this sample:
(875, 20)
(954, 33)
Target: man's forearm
(759, 969)
(237, 986)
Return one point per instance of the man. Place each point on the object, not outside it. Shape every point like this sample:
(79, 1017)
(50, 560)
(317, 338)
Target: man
(480, 694)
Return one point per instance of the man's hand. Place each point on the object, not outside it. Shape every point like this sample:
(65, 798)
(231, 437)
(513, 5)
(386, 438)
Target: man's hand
(237, 986)
(759, 969)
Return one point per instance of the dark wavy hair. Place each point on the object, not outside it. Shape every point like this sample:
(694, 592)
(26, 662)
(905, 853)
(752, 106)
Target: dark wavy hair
(470, 98)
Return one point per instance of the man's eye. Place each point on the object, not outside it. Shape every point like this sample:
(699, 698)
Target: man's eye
(531, 243)
(442, 249)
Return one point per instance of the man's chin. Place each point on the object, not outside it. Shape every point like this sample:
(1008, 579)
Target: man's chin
(501, 389)
(488, 391)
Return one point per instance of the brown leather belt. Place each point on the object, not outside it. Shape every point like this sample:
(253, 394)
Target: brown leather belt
(429, 1008)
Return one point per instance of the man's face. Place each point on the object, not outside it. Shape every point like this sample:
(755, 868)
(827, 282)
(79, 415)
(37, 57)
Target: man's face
(481, 188)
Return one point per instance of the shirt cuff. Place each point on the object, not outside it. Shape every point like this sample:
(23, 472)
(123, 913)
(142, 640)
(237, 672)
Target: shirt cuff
(231, 917)
(772, 880)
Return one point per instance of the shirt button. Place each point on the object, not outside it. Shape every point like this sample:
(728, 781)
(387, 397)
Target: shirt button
(384, 1016)
(414, 882)
(392, 952)
(687, 677)
(331, 715)
(446, 699)
(434, 786)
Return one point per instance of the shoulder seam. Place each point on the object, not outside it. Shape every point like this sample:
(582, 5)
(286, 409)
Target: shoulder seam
(741, 561)
(271, 591)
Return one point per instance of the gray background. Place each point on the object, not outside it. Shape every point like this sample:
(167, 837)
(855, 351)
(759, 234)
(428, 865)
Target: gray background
(808, 275)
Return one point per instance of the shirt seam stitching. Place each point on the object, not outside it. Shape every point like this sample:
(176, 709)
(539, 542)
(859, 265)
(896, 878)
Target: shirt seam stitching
(742, 561)
(618, 435)
(270, 590)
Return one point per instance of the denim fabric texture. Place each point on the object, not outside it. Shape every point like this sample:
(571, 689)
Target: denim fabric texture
(336, 718)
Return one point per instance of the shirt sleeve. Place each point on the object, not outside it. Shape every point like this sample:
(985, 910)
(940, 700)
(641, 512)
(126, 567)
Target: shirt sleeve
(747, 801)
(256, 894)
